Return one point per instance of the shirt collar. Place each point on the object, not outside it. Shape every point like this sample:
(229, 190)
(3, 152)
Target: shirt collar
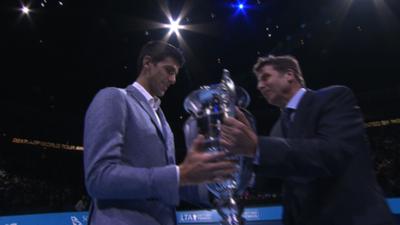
(295, 100)
(154, 102)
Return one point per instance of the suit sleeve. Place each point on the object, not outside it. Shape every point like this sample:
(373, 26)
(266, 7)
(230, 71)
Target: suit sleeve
(338, 136)
(107, 176)
(197, 195)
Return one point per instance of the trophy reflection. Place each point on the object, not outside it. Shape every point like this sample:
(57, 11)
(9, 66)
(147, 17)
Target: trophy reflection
(208, 106)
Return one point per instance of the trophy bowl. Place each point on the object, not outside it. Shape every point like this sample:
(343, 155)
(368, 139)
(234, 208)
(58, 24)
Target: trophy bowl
(208, 106)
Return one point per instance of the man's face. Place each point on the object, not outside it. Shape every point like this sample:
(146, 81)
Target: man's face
(273, 85)
(162, 75)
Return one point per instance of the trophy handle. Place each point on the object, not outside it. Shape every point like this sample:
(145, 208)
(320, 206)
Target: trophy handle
(228, 88)
(190, 131)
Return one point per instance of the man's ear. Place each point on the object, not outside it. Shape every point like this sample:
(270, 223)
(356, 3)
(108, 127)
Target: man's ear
(146, 61)
(290, 76)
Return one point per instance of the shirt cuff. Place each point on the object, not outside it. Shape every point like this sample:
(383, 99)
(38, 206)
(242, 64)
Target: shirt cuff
(177, 174)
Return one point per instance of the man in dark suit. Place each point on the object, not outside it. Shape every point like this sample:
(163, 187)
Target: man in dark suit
(318, 148)
(129, 155)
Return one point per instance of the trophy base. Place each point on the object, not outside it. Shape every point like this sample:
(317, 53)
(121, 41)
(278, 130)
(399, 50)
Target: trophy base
(238, 222)
(229, 211)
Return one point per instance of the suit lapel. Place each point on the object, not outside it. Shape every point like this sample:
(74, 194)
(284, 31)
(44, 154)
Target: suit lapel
(168, 136)
(163, 121)
(299, 118)
(276, 130)
(147, 108)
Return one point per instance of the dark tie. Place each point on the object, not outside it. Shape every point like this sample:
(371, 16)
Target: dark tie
(286, 120)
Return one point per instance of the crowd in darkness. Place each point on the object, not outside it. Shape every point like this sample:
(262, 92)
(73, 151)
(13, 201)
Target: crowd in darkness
(40, 186)
(385, 143)
(21, 192)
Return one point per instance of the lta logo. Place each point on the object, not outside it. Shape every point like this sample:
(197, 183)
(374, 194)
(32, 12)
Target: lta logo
(75, 221)
(188, 217)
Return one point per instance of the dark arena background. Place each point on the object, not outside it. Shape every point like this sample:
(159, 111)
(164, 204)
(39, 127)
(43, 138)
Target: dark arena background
(56, 54)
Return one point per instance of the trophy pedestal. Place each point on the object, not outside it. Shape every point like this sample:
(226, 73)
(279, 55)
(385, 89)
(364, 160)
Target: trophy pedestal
(229, 211)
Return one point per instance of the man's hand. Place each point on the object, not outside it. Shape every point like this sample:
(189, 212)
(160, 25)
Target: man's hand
(237, 135)
(204, 167)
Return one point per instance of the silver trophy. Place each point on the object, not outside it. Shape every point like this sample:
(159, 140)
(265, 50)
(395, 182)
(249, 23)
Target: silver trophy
(208, 106)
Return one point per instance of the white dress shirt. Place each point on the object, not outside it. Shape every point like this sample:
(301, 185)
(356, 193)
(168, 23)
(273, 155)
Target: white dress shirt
(154, 102)
(295, 100)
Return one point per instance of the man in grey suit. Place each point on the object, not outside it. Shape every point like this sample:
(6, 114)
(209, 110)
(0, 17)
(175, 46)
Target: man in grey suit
(129, 155)
(318, 148)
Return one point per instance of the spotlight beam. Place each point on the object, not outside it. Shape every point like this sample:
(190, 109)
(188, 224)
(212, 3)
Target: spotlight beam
(174, 26)
(25, 10)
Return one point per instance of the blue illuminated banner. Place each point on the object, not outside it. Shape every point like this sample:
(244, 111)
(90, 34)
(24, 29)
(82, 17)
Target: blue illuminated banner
(67, 218)
(211, 216)
(270, 213)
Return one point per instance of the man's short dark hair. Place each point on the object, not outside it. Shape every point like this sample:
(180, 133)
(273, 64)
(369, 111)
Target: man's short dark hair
(158, 51)
(281, 64)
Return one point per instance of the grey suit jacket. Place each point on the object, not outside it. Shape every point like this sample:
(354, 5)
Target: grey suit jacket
(129, 162)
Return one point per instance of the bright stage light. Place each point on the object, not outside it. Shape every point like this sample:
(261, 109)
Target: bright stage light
(241, 7)
(174, 26)
(25, 10)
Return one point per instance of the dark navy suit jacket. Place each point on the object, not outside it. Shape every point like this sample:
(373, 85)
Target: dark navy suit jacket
(324, 163)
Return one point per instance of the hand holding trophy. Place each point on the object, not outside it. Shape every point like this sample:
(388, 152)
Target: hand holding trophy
(209, 106)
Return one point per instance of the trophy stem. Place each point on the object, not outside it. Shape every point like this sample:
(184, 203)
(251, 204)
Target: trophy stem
(229, 211)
